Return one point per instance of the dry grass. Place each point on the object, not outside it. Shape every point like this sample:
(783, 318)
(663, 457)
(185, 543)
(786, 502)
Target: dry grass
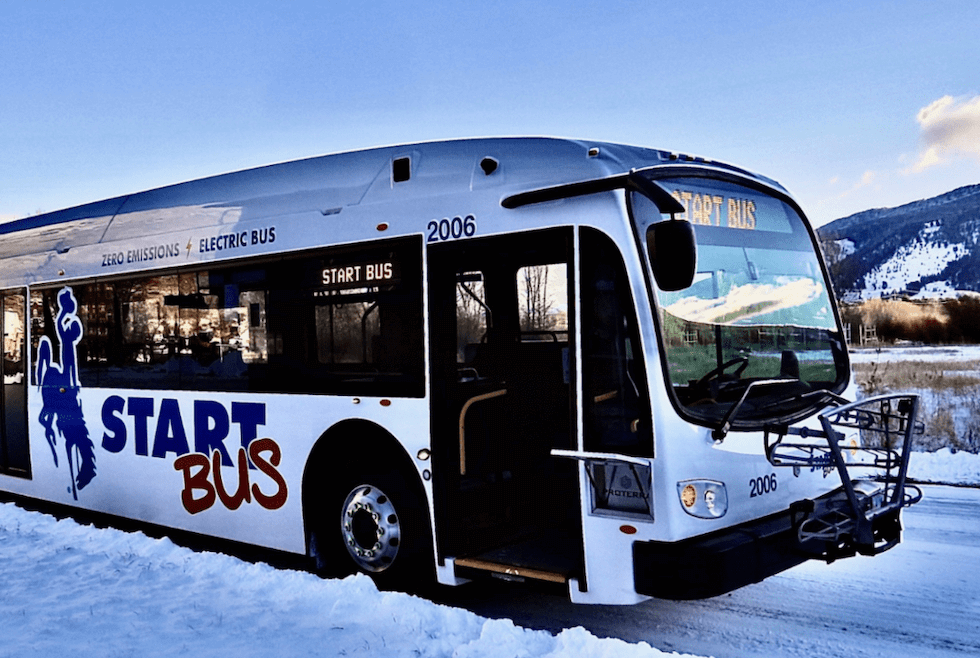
(929, 322)
(940, 424)
(939, 376)
(881, 311)
(949, 397)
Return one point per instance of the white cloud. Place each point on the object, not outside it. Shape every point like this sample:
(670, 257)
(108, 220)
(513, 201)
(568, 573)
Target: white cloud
(868, 178)
(950, 128)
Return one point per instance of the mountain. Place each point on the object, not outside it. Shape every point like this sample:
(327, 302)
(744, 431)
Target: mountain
(928, 248)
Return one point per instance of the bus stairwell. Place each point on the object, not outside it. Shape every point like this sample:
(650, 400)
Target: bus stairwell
(868, 443)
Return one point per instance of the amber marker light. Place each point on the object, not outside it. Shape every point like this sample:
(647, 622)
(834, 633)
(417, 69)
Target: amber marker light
(689, 496)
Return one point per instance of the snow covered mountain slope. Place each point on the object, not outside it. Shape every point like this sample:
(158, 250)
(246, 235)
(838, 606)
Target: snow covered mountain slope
(928, 248)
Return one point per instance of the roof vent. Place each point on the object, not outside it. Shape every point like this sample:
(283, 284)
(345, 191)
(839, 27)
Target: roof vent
(401, 169)
(489, 165)
(594, 152)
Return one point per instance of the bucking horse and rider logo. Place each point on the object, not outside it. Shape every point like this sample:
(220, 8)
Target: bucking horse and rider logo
(61, 413)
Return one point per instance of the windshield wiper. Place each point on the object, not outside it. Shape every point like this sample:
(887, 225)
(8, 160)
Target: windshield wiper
(720, 432)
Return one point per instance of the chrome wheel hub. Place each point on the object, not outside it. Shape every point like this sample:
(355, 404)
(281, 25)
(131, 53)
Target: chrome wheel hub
(370, 528)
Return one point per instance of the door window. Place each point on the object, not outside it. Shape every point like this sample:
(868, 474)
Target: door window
(616, 401)
(542, 296)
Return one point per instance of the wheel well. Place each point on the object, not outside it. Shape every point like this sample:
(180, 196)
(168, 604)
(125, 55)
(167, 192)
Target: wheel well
(345, 446)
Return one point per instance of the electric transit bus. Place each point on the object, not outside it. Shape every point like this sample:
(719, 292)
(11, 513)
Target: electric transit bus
(609, 367)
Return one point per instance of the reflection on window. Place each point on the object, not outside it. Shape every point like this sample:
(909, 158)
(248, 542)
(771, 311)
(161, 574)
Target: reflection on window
(277, 326)
(473, 316)
(15, 458)
(753, 305)
(13, 338)
(171, 328)
(748, 286)
(756, 327)
(616, 402)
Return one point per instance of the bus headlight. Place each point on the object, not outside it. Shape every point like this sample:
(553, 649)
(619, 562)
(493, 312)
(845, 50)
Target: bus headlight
(705, 499)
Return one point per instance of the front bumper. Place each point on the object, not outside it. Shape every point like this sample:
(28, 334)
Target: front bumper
(723, 561)
(862, 516)
(714, 564)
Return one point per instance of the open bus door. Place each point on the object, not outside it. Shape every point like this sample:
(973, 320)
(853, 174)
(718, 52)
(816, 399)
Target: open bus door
(504, 413)
(502, 400)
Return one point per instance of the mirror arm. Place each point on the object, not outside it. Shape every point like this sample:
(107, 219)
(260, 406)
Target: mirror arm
(664, 201)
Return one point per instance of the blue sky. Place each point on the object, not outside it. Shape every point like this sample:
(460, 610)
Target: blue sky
(851, 105)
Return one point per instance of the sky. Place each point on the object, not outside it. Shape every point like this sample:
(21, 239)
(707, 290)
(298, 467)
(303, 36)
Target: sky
(850, 105)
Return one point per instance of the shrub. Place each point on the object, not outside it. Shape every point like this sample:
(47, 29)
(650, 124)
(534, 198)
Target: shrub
(949, 391)
(934, 322)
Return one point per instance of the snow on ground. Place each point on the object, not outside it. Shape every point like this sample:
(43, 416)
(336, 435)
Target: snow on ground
(71, 589)
(75, 590)
(945, 467)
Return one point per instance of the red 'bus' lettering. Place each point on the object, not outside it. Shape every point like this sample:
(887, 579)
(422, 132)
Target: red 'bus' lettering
(255, 450)
(195, 481)
(197, 470)
(242, 495)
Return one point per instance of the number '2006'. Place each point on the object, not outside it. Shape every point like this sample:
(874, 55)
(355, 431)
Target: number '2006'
(451, 229)
(762, 485)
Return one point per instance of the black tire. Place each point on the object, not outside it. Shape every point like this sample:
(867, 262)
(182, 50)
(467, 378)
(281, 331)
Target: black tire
(377, 524)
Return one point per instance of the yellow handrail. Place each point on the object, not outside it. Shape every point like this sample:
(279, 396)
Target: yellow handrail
(462, 424)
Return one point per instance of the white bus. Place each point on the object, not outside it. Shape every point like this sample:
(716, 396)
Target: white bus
(613, 368)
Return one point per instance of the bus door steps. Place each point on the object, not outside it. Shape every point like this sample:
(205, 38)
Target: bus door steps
(545, 558)
(512, 571)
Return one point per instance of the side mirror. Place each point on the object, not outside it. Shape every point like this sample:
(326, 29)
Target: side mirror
(673, 252)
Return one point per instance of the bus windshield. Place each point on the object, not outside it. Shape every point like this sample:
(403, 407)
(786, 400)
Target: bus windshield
(758, 315)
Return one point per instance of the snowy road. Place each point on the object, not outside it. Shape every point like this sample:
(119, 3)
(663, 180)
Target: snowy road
(69, 589)
(921, 599)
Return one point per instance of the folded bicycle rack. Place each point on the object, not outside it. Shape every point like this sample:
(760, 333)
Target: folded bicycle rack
(868, 443)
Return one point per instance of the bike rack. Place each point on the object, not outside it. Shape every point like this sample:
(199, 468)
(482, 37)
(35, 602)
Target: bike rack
(868, 443)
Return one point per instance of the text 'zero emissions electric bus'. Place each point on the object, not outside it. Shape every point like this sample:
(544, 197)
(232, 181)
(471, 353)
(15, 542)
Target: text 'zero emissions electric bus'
(613, 368)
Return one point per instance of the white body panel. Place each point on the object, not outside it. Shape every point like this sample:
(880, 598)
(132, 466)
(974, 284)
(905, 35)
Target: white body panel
(149, 488)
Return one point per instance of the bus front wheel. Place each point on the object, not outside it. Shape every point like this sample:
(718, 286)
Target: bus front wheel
(370, 528)
(381, 529)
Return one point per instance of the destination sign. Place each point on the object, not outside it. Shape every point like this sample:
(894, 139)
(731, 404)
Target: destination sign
(360, 275)
(709, 209)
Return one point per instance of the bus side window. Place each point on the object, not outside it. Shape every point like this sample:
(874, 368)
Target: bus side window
(15, 456)
(258, 326)
(616, 401)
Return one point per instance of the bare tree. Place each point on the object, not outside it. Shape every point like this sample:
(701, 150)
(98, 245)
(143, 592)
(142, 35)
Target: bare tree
(536, 310)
